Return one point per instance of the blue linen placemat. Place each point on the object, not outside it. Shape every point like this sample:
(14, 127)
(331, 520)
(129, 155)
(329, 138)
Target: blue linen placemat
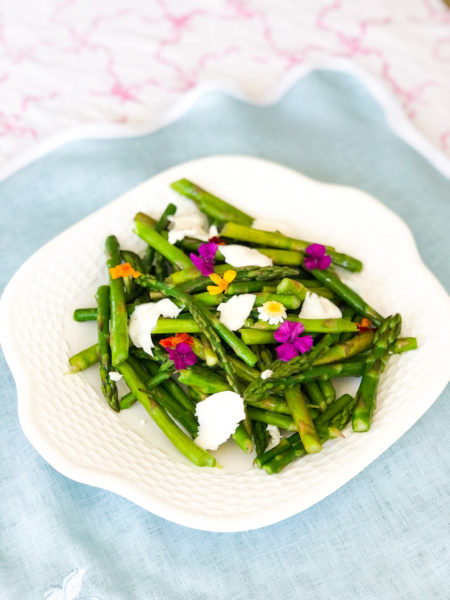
(384, 535)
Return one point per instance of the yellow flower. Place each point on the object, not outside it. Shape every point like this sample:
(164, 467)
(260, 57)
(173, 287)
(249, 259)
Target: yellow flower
(222, 283)
(272, 311)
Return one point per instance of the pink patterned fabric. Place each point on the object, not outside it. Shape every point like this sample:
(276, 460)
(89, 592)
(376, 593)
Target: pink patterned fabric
(66, 63)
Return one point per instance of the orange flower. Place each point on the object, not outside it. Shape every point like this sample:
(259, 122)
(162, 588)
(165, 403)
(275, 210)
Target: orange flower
(365, 325)
(178, 338)
(222, 283)
(125, 270)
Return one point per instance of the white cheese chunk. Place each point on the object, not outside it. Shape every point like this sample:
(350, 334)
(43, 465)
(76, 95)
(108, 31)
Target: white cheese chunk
(235, 311)
(266, 374)
(241, 256)
(144, 318)
(317, 307)
(188, 221)
(114, 376)
(218, 417)
(275, 436)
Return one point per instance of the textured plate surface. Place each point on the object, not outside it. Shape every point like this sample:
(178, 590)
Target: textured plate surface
(67, 421)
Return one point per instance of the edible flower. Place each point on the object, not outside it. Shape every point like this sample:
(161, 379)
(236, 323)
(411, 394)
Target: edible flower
(175, 340)
(182, 356)
(292, 342)
(205, 259)
(125, 270)
(272, 311)
(365, 325)
(317, 257)
(222, 283)
(215, 239)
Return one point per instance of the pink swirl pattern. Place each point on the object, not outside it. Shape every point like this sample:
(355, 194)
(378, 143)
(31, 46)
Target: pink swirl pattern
(76, 62)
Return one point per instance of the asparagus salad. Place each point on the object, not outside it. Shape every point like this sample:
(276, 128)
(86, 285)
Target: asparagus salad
(222, 330)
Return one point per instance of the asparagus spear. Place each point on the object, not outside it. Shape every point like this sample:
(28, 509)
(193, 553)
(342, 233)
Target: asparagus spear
(211, 205)
(178, 438)
(88, 357)
(212, 329)
(271, 418)
(119, 319)
(274, 460)
(332, 281)
(315, 394)
(85, 314)
(145, 230)
(302, 420)
(260, 437)
(385, 337)
(109, 388)
(271, 404)
(262, 333)
(327, 390)
(161, 224)
(237, 231)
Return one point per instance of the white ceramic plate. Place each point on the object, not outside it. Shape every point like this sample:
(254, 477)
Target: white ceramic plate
(67, 421)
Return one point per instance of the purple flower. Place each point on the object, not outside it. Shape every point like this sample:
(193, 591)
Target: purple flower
(289, 333)
(182, 356)
(317, 257)
(205, 259)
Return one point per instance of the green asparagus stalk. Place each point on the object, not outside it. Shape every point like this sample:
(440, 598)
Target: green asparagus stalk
(385, 337)
(332, 281)
(333, 371)
(203, 379)
(327, 390)
(127, 401)
(109, 388)
(134, 259)
(260, 437)
(271, 418)
(211, 205)
(159, 226)
(85, 314)
(84, 359)
(119, 319)
(145, 230)
(342, 351)
(237, 231)
(272, 405)
(315, 395)
(178, 438)
(302, 420)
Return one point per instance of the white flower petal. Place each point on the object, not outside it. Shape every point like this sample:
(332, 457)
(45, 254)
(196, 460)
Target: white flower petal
(241, 256)
(266, 374)
(317, 307)
(143, 321)
(218, 418)
(234, 312)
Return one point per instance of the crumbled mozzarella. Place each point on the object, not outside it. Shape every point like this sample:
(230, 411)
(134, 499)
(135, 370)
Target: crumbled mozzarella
(213, 231)
(218, 417)
(144, 318)
(235, 311)
(275, 436)
(241, 256)
(266, 374)
(114, 376)
(188, 221)
(317, 307)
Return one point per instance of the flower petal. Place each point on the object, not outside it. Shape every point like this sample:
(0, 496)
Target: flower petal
(286, 351)
(323, 262)
(304, 343)
(204, 266)
(214, 290)
(310, 262)
(288, 331)
(215, 278)
(316, 250)
(208, 251)
(229, 275)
